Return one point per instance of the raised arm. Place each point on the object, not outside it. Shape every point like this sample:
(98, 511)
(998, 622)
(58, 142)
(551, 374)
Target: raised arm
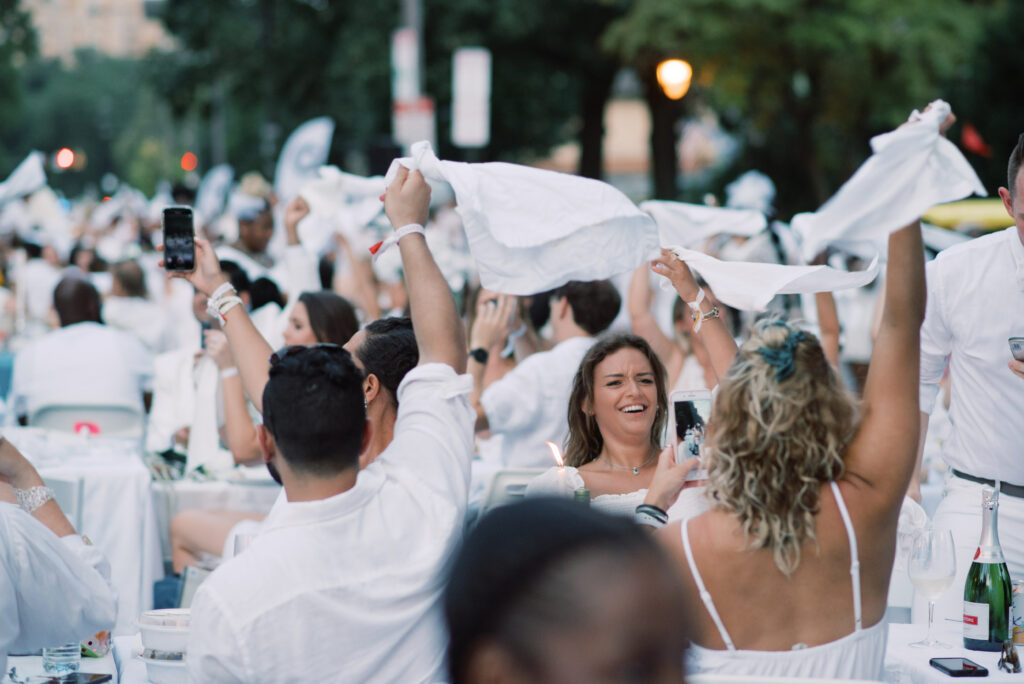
(435, 320)
(713, 333)
(250, 350)
(638, 303)
(884, 450)
(828, 327)
(239, 432)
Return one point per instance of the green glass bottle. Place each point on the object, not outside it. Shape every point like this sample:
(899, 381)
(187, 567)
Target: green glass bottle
(988, 591)
(581, 496)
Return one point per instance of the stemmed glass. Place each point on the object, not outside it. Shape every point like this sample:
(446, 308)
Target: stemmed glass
(932, 568)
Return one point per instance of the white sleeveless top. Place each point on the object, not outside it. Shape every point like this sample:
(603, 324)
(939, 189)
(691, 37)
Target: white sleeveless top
(858, 655)
(552, 482)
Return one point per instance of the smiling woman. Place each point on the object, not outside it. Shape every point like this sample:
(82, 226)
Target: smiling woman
(617, 413)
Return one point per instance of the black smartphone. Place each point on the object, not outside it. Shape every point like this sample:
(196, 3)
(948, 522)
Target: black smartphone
(79, 678)
(203, 327)
(179, 240)
(1017, 347)
(958, 667)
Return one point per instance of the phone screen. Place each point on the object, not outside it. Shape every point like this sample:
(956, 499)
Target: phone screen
(179, 240)
(691, 419)
(959, 667)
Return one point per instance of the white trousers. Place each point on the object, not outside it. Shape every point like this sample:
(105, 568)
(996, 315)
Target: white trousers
(960, 512)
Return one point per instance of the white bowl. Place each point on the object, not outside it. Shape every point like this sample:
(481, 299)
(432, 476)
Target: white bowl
(165, 630)
(165, 671)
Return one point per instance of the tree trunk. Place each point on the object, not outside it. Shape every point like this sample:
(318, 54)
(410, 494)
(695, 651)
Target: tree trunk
(664, 161)
(597, 88)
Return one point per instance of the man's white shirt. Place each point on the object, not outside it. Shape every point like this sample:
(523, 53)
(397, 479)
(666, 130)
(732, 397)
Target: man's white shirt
(84, 363)
(349, 588)
(529, 405)
(53, 590)
(975, 303)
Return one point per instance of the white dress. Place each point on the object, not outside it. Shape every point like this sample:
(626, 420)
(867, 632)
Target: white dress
(552, 482)
(858, 655)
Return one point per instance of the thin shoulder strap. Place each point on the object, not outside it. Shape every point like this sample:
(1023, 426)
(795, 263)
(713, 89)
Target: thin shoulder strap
(705, 595)
(854, 558)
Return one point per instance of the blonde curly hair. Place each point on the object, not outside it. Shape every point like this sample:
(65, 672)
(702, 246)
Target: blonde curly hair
(780, 426)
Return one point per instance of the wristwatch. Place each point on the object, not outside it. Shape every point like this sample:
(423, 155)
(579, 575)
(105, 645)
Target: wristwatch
(479, 355)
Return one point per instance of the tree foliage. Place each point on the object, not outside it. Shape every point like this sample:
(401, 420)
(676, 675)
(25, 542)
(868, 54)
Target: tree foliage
(17, 43)
(805, 83)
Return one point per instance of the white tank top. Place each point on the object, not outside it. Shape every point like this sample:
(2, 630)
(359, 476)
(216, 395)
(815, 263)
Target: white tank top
(858, 655)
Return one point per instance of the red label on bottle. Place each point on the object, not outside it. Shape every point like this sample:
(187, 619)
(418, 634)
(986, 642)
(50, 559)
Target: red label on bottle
(970, 619)
(977, 553)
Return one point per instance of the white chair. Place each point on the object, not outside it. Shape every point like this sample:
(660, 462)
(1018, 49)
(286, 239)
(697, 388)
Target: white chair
(110, 420)
(508, 486)
(67, 491)
(754, 679)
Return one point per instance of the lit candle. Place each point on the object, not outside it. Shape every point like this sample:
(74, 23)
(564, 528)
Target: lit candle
(561, 465)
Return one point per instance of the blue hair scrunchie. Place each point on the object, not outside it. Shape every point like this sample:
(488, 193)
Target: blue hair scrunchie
(782, 357)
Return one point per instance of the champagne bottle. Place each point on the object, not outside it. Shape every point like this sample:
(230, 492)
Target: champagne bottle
(987, 593)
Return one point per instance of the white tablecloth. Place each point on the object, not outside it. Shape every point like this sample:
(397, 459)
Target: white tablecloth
(117, 508)
(170, 498)
(33, 666)
(909, 665)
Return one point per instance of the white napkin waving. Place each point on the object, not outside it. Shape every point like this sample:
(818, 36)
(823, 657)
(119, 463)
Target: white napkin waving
(26, 178)
(531, 230)
(690, 224)
(913, 168)
(750, 286)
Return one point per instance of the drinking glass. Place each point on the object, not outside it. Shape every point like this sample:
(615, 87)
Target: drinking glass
(63, 659)
(932, 568)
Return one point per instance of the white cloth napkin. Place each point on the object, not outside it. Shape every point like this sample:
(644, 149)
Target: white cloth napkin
(912, 169)
(203, 441)
(26, 178)
(531, 230)
(750, 286)
(690, 224)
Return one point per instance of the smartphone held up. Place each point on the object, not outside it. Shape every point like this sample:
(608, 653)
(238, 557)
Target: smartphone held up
(179, 240)
(688, 425)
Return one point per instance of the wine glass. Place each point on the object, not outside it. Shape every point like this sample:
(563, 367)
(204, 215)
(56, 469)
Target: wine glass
(932, 568)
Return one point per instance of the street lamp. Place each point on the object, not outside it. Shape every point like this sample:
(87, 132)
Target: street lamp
(674, 77)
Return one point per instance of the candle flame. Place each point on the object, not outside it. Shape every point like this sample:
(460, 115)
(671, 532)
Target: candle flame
(556, 454)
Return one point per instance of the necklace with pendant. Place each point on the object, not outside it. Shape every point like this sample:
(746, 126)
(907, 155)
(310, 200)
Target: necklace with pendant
(636, 469)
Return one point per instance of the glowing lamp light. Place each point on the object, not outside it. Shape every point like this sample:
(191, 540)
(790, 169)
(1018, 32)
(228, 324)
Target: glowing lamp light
(674, 77)
(189, 162)
(65, 158)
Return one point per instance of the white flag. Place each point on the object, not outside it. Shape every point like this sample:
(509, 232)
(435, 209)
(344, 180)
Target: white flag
(303, 153)
(531, 230)
(213, 191)
(26, 178)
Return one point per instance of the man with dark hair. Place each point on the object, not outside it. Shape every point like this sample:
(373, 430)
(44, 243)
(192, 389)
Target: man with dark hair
(356, 552)
(527, 406)
(975, 304)
(84, 362)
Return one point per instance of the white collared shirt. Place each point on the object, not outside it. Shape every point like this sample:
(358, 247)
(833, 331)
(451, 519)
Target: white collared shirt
(53, 590)
(349, 588)
(975, 303)
(529, 405)
(84, 363)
